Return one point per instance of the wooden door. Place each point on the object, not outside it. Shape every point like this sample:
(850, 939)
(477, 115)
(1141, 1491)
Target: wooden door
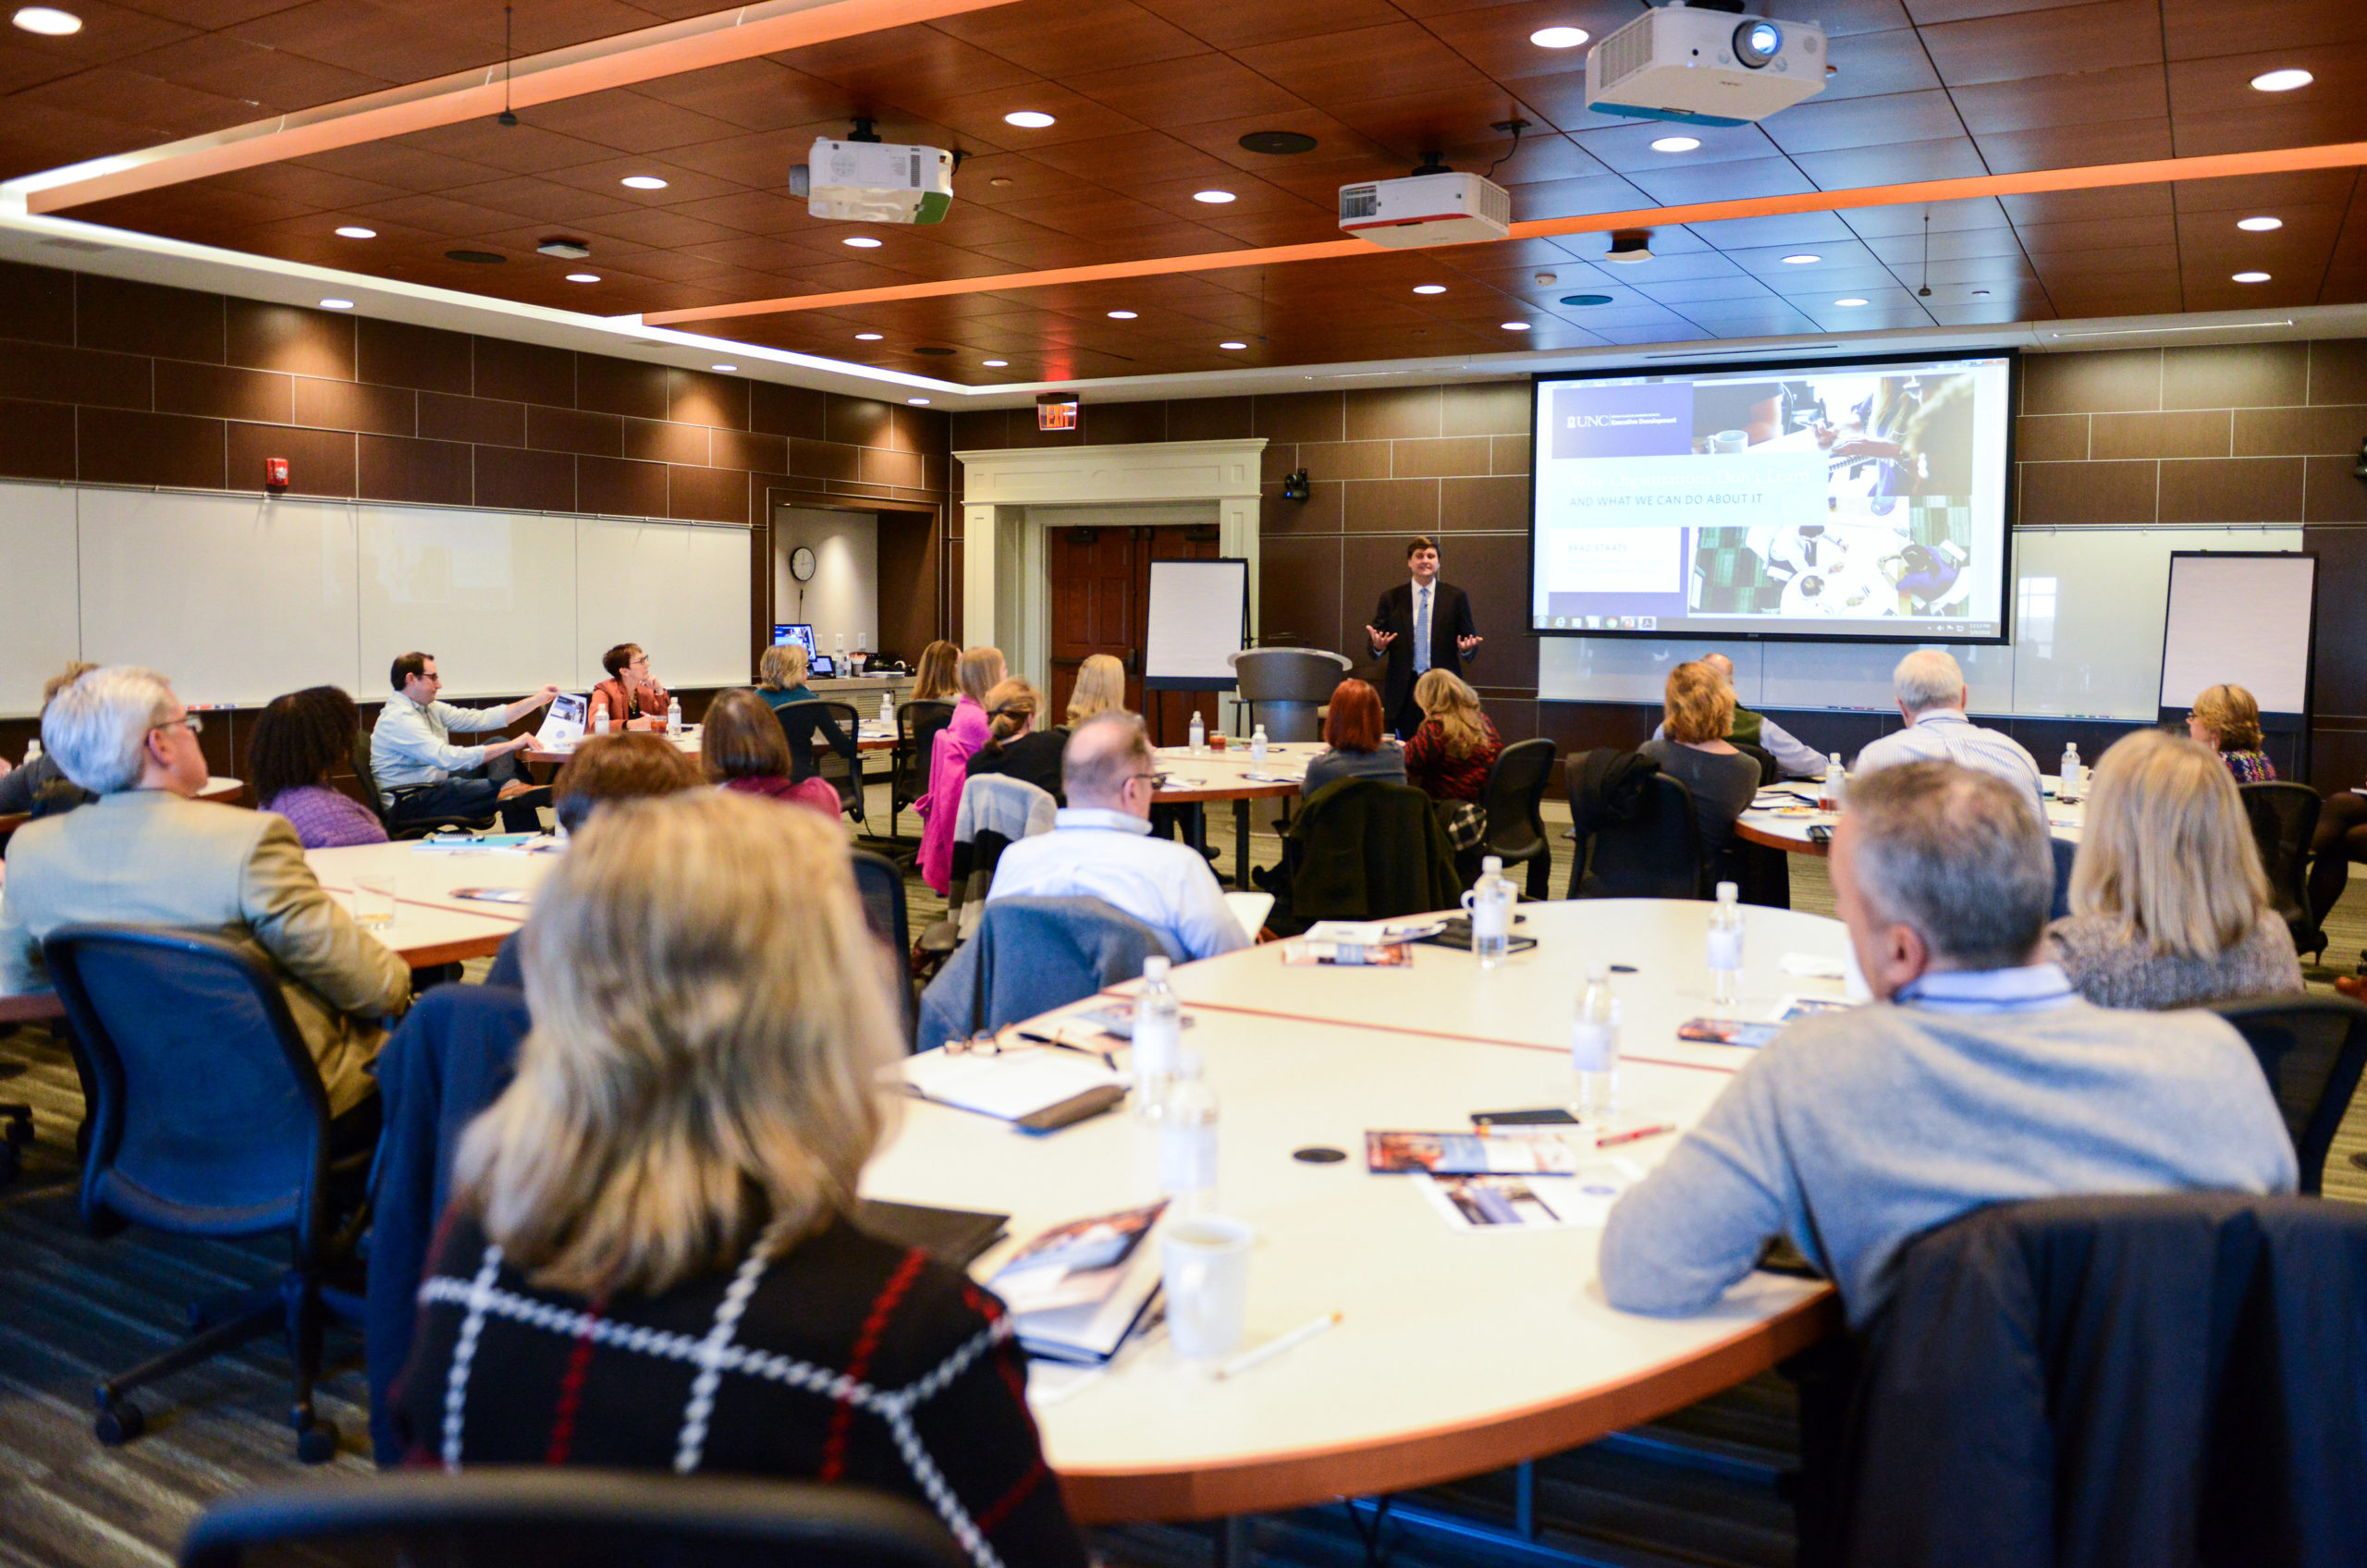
(1169, 714)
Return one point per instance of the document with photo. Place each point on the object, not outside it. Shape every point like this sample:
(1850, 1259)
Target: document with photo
(563, 723)
(1494, 1152)
(1503, 1203)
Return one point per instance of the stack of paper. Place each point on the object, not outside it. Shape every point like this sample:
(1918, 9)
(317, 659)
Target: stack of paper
(1010, 1084)
(1076, 1291)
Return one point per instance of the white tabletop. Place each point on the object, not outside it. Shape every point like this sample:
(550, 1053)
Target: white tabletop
(430, 924)
(1459, 1351)
(2065, 819)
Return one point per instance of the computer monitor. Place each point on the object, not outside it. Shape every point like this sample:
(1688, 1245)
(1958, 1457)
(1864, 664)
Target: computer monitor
(800, 633)
(821, 666)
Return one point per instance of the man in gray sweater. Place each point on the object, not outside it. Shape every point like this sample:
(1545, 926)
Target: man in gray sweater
(1978, 1076)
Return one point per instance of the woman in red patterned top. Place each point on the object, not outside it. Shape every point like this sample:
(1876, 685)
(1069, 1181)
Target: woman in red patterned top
(1451, 755)
(648, 1263)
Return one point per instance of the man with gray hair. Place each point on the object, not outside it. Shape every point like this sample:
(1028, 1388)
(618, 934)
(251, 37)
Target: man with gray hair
(148, 852)
(1931, 695)
(1100, 846)
(1977, 1076)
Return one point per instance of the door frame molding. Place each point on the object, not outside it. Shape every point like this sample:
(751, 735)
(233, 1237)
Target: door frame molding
(1005, 590)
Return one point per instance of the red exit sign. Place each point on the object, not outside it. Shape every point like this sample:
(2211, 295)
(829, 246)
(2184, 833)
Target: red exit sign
(1055, 412)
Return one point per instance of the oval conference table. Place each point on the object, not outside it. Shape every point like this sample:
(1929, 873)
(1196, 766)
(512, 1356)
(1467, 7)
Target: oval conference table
(1201, 779)
(1782, 815)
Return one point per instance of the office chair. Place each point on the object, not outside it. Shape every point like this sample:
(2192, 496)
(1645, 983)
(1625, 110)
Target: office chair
(418, 827)
(2284, 817)
(916, 728)
(572, 1518)
(2312, 1047)
(842, 770)
(1515, 828)
(210, 1120)
(881, 886)
(1656, 854)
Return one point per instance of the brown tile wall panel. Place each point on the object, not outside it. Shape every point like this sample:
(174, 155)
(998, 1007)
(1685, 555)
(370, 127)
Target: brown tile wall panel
(1508, 454)
(1495, 408)
(2090, 492)
(980, 430)
(1494, 505)
(1393, 413)
(1112, 425)
(619, 386)
(2126, 382)
(901, 469)
(1299, 590)
(2276, 432)
(425, 472)
(222, 392)
(1301, 416)
(116, 447)
(77, 375)
(36, 303)
(572, 430)
(524, 372)
(767, 454)
(2197, 434)
(1023, 431)
(787, 410)
(697, 398)
(1208, 419)
(621, 487)
(658, 441)
(2231, 490)
(2045, 438)
(706, 495)
(1445, 456)
(826, 460)
(2234, 376)
(36, 439)
(1350, 460)
(283, 338)
(859, 422)
(347, 405)
(443, 417)
(534, 482)
(1278, 459)
(2330, 493)
(1319, 513)
(141, 318)
(320, 462)
(1391, 506)
(2342, 653)
(395, 353)
(918, 430)
(2338, 372)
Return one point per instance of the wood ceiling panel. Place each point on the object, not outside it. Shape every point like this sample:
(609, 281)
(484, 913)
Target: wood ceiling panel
(1401, 59)
(2117, 141)
(1235, 28)
(1789, 231)
(1952, 158)
(2265, 193)
(1495, 38)
(1714, 182)
(907, 64)
(2084, 206)
(1875, 65)
(2130, 92)
(239, 69)
(1054, 40)
(1627, 148)
(1947, 217)
(755, 95)
(1430, 122)
(1927, 13)
(1190, 91)
(2199, 29)
(1826, 125)
(2005, 47)
(1833, 257)
(2063, 266)
(1542, 155)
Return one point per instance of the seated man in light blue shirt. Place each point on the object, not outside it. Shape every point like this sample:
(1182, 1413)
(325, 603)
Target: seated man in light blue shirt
(421, 774)
(1978, 1076)
(1101, 846)
(1933, 695)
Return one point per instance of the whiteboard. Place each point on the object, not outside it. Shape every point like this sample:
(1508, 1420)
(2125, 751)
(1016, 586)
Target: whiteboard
(2088, 636)
(2245, 621)
(1199, 619)
(492, 596)
(682, 593)
(39, 590)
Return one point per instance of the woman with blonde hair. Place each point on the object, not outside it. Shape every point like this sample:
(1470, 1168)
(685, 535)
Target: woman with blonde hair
(675, 1165)
(1101, 686)
(1015, 746)
(1697, 710)
(783, 670)
(933, 676)
(2168, 904)
(2227, 719)
(1450, 754)
(976, 672)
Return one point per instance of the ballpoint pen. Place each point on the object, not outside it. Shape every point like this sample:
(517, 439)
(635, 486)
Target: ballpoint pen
(1036, 1039)
(1633, 1135)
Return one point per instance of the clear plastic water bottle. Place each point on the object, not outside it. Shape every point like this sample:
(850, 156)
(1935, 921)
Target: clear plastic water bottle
(1726, 947)
(1187, 1136)
(600, 723)
(1594, 1049)
(2066, 777)
(32, 751)
(1199, 735)
(1159, 1034)
(1490, 902)
(887, 708)
(673, 716)
(1836, 783)
(1257, 746)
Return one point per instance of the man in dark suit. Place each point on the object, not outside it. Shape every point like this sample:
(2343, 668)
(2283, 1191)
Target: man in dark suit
(1423, 624)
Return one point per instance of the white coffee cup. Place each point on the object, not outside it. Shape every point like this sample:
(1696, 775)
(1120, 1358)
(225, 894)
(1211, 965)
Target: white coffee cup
(1204, 1269)
(1730, 440)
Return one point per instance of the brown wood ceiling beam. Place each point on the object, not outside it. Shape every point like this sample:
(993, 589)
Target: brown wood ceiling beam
(2221, 166)
(720, 38)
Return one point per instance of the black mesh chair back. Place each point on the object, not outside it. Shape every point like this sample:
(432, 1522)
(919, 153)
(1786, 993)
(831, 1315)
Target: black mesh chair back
(418, 827)
(209, 1117)
(1657, 855)
(1762, 756)
(881, 887)
(569, 1518)
(2313, 1048)
(2284, 818)
(811, 756)
(916, 726)
(1515, 826)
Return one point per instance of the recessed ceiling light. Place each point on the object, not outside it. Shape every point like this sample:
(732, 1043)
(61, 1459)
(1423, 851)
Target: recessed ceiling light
(1028, 119)
(1214, 198)
(583, 277)
(1852, 301)
(1558, 37)
(1430, 289)
(994, 364)
(48, 21)
(1516, 326)
(337, 304)
(726, 369)
(476, 258)
(643, 182)
(1278, 143)
(1803, 259)
(921, 402)
(1233, 344)
(564, 248)
(2258, 225)
(1676, 144)
(2251, 277)
(1121, 315)
(868, 337)
(355, 231)
(861, 242)
(2282, 82)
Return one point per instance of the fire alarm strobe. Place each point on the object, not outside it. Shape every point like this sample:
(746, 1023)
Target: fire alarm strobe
(275, 473)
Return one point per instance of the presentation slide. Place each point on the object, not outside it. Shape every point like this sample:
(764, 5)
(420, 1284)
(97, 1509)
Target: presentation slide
(1848, 500)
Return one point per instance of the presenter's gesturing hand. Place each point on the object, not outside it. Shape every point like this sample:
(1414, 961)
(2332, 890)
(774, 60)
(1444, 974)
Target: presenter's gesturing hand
(1466, 644)
(1381, 639)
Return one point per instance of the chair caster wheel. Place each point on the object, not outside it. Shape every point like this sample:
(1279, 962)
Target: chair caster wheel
(119, 1423)
(317, 1443)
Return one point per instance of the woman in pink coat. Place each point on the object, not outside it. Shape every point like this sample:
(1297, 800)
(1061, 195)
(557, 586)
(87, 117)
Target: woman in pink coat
(978, 671)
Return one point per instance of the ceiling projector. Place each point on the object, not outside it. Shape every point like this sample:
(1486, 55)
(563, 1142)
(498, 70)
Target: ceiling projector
(1705, 66)
(875, 181)
(1435, 208)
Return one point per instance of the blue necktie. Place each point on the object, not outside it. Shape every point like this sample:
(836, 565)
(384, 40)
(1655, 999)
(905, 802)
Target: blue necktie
(1422, 631)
